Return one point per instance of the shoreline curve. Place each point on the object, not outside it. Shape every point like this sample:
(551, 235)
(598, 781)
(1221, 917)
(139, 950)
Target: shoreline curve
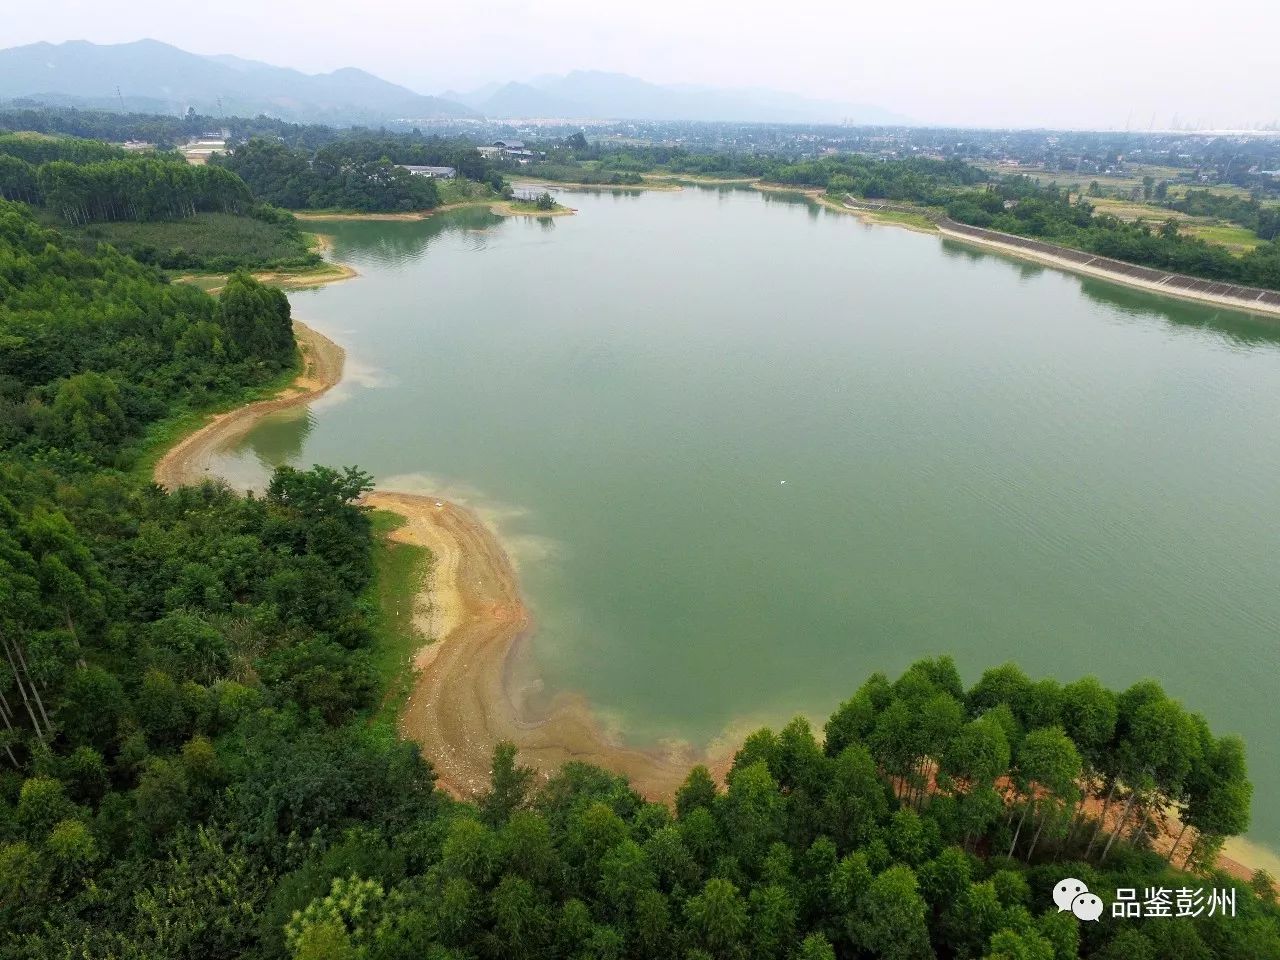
(188, 461)
(462, 703)
(471, 608)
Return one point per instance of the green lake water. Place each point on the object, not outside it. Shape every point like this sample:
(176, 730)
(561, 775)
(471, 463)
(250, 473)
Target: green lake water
(982, 457)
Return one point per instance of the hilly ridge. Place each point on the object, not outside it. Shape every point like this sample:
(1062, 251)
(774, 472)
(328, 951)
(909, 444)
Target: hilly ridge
(599, 94)
(151, 76)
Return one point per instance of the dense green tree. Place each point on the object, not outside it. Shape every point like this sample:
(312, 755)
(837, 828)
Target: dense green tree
(717, 918)
(508, 785)
(336, 176)
(1047, 772)
(889, 919)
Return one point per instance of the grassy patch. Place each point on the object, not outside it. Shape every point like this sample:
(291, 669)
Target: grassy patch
(1222, 189)
(1134, 210)
(697, 179)
(1239, 240)
(322, 273)
(589, 173)
(1113, 185)
(399, 571)
(461, 190)
(208, 282)
(528, 206)
(207, 241)
(916, 220)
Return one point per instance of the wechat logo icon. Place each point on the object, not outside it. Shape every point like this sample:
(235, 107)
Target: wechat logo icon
(1072, 895)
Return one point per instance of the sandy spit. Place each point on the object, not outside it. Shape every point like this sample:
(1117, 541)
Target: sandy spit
(506, 208)
(461, 704)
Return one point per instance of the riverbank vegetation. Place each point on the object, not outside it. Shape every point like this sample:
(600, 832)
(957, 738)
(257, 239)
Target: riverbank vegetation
(361, 174)
(191, 763)
(210, 242)
(1015, 204)
(400, 570)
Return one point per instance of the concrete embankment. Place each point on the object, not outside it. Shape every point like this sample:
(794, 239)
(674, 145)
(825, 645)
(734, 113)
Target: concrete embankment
(1236, 296)
(1250, 299)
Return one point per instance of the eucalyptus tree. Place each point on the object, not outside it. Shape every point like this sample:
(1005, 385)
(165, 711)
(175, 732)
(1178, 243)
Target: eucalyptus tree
(856, 717)
(1089, 713)
(716, 918)
(889, 920)
(1158, 743)
(1217, 799)
(509, 785)
(1122, 753)
(912, 732)
(697, 791)
(855, 800)
(973, 760)
(1003, 685)
(1046, 772)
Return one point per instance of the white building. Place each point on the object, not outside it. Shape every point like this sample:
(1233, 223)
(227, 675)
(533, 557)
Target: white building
(436, 173)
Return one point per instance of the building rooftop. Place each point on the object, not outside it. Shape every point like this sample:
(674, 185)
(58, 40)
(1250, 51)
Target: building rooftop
(427, 171)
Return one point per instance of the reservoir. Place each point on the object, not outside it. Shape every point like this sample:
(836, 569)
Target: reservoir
(745, 451)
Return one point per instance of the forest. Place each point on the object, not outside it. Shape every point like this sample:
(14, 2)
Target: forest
(83, 181)
(96, 347)
(157, 208)
(330, 179)
(168, 132)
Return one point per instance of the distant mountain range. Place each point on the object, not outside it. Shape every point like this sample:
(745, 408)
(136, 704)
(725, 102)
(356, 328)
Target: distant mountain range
(154, 77)
(592, 94)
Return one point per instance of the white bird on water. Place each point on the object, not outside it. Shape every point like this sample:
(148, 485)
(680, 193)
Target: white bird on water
(782, 481)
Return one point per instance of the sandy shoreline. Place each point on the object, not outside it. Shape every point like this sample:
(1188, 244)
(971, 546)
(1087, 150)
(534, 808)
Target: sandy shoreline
(497, 205)
(471, 607)
(461, 704)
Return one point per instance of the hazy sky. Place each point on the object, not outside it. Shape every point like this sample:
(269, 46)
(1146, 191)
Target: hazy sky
(1112, 63)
